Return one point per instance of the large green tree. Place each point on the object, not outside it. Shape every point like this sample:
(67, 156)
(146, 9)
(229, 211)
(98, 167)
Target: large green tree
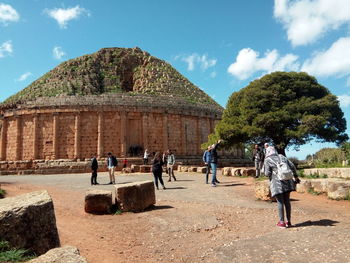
(284, 108)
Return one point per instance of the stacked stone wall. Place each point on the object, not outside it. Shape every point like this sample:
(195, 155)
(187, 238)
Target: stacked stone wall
(112, 132)
(11, 139)
(28, 135)
(89, 134)
(45, 137)
(173, 133)
(66, 136)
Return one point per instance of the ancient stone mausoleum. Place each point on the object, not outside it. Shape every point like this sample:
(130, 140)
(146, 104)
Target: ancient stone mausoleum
(116, 100)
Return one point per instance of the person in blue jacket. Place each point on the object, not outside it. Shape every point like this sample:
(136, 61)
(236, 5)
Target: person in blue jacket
(214, 162)
(206, 160)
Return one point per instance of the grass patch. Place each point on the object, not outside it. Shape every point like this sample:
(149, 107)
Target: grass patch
(8, 254)
(261, 178)
(118, 212)
(301, 174)
(313, 192)
(2, 193)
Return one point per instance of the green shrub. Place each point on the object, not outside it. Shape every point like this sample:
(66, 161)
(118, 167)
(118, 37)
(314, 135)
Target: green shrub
(2, 193)
(8, 254)
(313, 192)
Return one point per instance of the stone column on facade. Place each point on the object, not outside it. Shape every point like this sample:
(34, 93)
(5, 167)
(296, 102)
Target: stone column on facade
(77, 136)
(55, 135)
(198, 135)
(3, 139)
(19, 137)
(183, 136)
(165, 132)
(123, 130)
(145, 130)
(35, 137)
(100, 135)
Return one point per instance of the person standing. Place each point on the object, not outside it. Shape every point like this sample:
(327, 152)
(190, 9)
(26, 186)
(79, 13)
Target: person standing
(170, 165)
(125, 163)
(145, 157)
(112, 162)
(258, 158)
(206, 160)
(214, 162)
(157, 169)
(280, 189)
(94, 167)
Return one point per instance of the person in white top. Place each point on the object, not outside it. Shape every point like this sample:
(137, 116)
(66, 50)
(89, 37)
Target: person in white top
(145, 157)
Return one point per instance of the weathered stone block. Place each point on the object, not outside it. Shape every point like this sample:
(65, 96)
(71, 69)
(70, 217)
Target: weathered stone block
(126, 170)
(262, 190)
(192, 169)
(202, 169)
(28, 221)
(248, 172)
(226, 171)
(236, 172)
(319, 185)
(338, 190)
(66, 254)
(98, 201)
(304, 186)
(135, 168)
(145, 169)
(135, 196)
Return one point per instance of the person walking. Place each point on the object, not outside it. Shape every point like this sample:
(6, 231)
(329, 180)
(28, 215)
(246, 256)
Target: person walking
(94, 167)
(157, 169)
(112, 162)
(214, 162)
(206, 159)
(258, 158)
(145, 157)
(170, 165)
(279, 169)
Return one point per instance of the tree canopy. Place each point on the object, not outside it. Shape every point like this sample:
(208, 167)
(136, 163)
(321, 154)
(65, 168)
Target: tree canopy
(284, 108)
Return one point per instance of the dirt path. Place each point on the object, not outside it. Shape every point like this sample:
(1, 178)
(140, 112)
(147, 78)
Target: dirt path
(193, 222)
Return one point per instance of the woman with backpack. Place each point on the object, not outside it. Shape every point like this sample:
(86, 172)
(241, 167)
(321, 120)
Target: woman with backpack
(283, 179)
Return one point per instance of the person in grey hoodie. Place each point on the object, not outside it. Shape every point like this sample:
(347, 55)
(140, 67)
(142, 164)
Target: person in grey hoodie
(280, 189)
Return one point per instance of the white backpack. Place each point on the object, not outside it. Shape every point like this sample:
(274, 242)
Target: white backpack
(284, 172)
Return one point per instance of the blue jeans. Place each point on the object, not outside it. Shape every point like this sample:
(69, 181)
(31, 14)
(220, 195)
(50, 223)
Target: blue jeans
(213, 168)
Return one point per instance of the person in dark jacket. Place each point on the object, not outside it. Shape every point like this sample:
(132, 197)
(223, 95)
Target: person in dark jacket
(258, 159)
(157, 169)
(214, 162)
(94, 167)
(206, 160)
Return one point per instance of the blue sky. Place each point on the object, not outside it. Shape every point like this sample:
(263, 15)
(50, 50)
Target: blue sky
(220, 45)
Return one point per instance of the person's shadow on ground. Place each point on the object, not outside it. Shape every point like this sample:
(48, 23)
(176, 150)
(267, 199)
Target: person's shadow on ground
(322, 222)
(226, 184)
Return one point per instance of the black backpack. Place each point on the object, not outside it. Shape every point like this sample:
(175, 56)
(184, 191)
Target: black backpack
(114, 161)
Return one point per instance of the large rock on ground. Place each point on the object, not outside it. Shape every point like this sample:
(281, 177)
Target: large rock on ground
(28, 221)
(98, 201)
(338, 190)
(67, 254)
(135, 168)
(248, 172)
(226, 171)
(192, 169)
(236, 171)
(145, 168)
(135, 196)
(303, 186)
(262, 190)
(202, 169)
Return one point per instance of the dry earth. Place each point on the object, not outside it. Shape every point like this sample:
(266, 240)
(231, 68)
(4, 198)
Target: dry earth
(193, 222)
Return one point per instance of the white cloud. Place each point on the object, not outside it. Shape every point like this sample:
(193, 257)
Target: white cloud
(24, 76)
(58, 53)
(8, 14)
(332, 62)
(248, 63)
(308, 20)
(344, 100)
(63, 16)
(6, 49)
(195, 60)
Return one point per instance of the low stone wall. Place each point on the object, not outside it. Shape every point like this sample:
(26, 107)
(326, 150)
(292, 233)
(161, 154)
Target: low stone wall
(28, 221)
(335, 188)
(238, 171)
(330, 172)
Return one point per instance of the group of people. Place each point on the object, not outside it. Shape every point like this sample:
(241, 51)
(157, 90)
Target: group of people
(280, 171)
